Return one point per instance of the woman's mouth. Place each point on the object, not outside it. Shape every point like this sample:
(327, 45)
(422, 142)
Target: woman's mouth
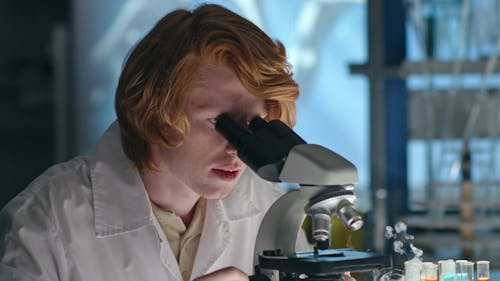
(226, 174)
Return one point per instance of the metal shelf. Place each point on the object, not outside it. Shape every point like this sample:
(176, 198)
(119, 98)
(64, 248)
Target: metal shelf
(450, 222)
(456, 204)
(444, 67)
(453, 240)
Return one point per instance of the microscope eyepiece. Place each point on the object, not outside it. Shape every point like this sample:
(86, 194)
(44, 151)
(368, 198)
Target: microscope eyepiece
(230, 130)
(263, 146)
(257, 123)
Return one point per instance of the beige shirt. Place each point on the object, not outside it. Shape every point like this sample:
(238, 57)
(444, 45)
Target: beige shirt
(184, 242)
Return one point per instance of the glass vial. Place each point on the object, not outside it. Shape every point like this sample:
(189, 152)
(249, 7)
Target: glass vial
(447, 270)
(412, 270)
(430, 271)
(483, 270)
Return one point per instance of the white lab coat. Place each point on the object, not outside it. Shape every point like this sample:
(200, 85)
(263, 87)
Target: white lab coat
(90, 219)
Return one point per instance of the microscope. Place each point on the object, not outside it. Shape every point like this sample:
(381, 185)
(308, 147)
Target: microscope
(276, 153)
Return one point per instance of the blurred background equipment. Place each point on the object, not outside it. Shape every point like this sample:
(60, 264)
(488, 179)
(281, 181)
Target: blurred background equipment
(452, 77)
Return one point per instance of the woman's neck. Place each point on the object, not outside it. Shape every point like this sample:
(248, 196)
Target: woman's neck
(170, 195)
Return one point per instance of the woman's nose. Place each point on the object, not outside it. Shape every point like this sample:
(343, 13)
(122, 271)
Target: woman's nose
(230, 149)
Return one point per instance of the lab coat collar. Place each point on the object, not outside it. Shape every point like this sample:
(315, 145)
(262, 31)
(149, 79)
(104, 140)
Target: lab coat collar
(218, 230)
(239, 205)
(121, 203)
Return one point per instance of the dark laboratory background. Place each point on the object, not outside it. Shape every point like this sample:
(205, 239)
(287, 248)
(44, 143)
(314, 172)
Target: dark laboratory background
(27, 78)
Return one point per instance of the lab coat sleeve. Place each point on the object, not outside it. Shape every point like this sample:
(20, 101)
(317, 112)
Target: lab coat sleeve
(30, 248)
(9, 273)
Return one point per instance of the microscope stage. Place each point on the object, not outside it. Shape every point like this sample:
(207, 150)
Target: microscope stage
(331, 261)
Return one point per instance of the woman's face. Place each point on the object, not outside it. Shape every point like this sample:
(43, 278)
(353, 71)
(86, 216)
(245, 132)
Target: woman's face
(205, 162)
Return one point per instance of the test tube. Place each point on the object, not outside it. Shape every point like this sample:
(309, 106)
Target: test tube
(483, 270)
(422, 272)
(460, 270)
(469, 267)
(430, 271)
(465, 270)
(412, 270)
(446, 270)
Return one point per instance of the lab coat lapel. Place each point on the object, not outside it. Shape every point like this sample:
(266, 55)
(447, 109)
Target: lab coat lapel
(218, 228)
(120, 200)
(215, 238)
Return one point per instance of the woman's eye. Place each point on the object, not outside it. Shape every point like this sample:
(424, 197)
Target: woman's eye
(212, 121)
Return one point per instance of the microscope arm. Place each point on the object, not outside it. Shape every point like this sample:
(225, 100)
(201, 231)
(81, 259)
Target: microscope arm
(321, 174)
(280, 226)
